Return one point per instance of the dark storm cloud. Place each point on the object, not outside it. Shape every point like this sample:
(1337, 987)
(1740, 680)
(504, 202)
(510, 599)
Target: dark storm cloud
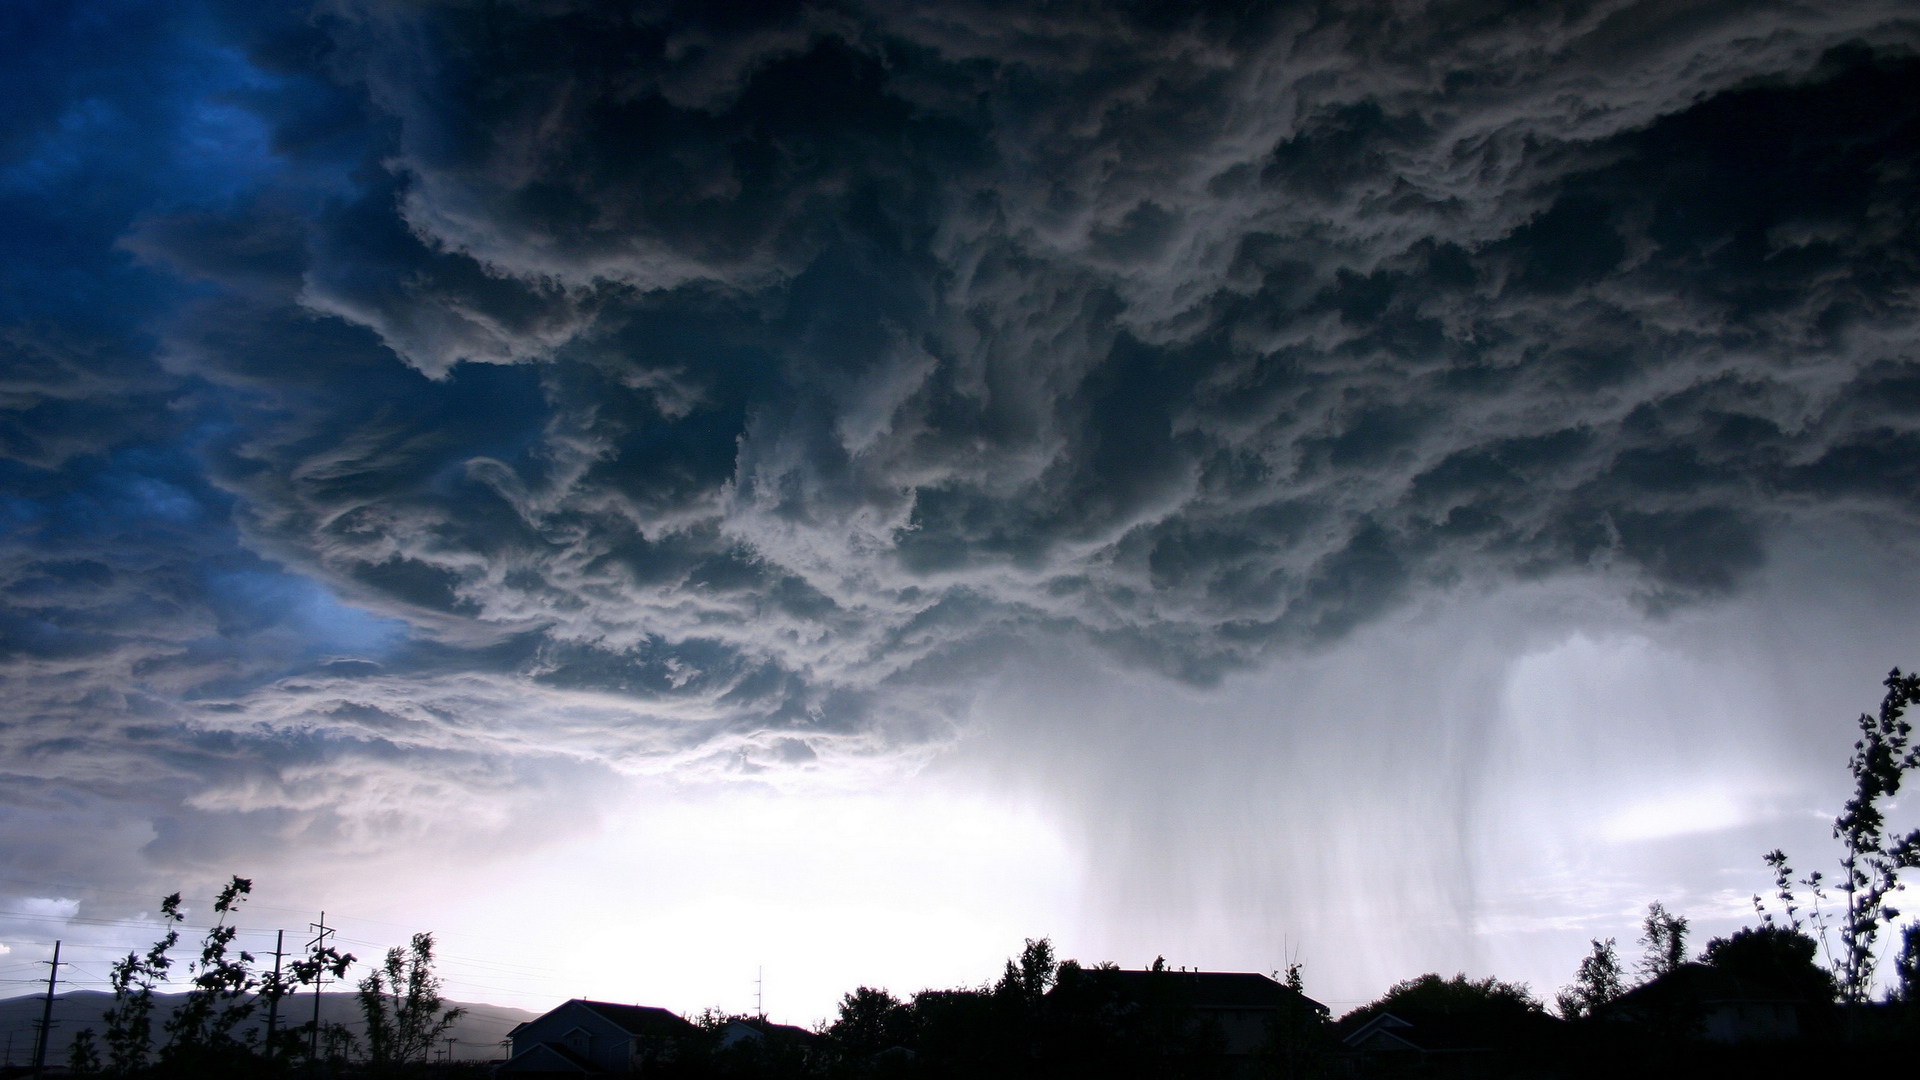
(129, 610)
(721, 387)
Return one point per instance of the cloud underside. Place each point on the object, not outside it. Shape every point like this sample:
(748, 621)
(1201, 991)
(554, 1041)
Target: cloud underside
(675, 389)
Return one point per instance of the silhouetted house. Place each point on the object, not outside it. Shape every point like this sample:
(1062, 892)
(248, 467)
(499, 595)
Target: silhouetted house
(742, 1030)
(1243, 1004)
(1703, 1002)
(595, 1038)
(1435, 1038)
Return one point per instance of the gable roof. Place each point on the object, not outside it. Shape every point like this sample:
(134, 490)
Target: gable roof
(1437, 1031)
(634, 1019)
(1214, 990)
(1383, 1032)
(1385, 1021)
(547, 1058)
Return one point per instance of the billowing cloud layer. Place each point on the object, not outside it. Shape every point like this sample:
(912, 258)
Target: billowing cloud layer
(527, 388)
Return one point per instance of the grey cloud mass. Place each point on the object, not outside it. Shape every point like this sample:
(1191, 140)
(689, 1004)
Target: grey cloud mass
(653, 387)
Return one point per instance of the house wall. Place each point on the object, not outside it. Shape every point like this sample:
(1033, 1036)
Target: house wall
(1752, 1021)
(1246, 1030)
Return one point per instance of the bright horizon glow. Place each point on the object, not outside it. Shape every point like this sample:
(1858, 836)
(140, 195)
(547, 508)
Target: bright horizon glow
(676, 895)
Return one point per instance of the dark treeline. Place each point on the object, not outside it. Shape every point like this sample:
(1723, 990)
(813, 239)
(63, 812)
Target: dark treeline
(1793, 992)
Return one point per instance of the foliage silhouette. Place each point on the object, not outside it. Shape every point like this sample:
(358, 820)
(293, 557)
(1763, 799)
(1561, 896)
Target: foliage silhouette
(871, 1021)
(1906, 966)
(1776, 959)
(400, 1001)
(329, 1042)
(201, 1033)
(1664, 936)
(1042, 1017)
(83, 1057)
(1431, 993)
(1598, 982)
(129, 1022)
(209, 1033)
(1300, 1042)
(1871, 861)
(1486, 1026)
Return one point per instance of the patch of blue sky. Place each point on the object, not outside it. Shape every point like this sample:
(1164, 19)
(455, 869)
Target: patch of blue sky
(87, 153)
(68, 146)
(223, 150)
(132, 126)
(137, 490)
(266, 597)
(17, 513)
(160, 483)
(151, 497)
(223, 147)
(110, 98)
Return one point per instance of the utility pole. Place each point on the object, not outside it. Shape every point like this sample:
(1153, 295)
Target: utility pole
(321, 933)
(273, 1002)
(46, 1013)
(450, 1040)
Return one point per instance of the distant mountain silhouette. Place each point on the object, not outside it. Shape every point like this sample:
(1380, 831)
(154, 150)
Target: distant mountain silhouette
(480, 1031)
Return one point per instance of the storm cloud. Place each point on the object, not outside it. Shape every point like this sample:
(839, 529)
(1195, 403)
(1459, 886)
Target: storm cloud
(492, 395)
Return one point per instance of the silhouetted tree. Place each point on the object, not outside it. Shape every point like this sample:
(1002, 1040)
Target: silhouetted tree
(1020, 998)
(1299, 1040)
(129, 1022)
(400, 1001)
(870, 1021)
(1776, 958)
(966, 1031)
(204, 1036)
(1431, 993)
(1028, 980)
(1598, 982)
(1664, 936)
(1500, 1027)
(1906, 966)
(1871, 861)
(201, 1036)
(83, 1056)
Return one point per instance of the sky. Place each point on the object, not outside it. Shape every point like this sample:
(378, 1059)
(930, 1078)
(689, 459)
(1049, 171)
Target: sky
(689, 501)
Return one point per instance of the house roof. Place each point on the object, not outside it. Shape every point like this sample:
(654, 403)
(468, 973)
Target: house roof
(1214, 990)
(1703, 984)
(634, 1019)
(767, 1027)
(757, 1029)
